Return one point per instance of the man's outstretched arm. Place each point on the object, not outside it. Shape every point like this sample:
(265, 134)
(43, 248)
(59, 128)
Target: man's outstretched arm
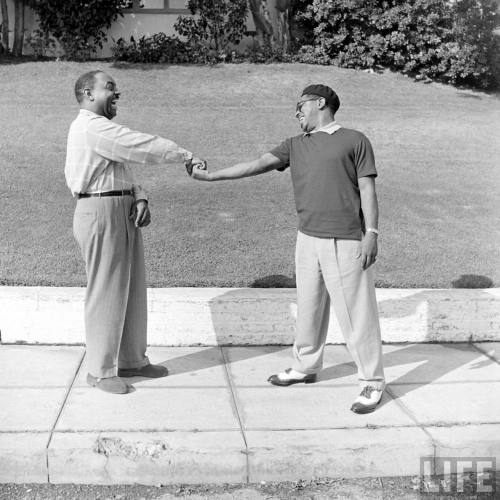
(265, 163)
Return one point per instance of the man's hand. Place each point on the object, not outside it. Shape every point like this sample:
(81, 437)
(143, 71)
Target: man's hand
(140, 213)
(192, 162)
(369, 250)
(200, 172)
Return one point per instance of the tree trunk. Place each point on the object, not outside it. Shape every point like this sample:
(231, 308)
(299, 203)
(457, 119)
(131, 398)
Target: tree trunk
(5, 26)
(283, 24)
(262, 21)
(271, 19)
(17, 48)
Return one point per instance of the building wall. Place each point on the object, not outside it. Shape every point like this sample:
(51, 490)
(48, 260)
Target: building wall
(29, 21)
(145, 22)
(138, 25)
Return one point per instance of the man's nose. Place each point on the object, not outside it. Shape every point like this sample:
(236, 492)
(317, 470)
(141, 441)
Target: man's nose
(117, 95)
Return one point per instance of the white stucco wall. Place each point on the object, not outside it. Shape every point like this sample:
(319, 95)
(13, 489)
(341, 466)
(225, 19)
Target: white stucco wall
(135, 25)
(138, 25)
(29, 21)
(131, 24)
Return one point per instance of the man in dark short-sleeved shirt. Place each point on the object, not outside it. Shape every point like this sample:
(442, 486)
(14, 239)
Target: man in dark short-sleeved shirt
(333, 175)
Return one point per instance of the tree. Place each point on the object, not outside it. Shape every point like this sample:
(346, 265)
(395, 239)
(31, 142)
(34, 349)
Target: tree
(79, 25)
(5, 26)
(17, 47)
(214, 25)
(272, 23)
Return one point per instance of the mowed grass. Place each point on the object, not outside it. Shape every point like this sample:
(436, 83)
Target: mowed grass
(437, 150)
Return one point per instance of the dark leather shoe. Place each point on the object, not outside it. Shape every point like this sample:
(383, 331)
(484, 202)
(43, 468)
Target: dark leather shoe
(115, 385)
(367, 401)
(306, 379)
(149, 371)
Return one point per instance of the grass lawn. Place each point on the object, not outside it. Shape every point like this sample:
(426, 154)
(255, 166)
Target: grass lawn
(436, 146)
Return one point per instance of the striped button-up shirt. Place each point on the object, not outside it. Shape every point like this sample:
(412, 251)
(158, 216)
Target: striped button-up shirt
(100, 153)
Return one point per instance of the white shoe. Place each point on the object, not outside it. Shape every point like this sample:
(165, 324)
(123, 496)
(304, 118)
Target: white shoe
(368, 400)
(290, 376)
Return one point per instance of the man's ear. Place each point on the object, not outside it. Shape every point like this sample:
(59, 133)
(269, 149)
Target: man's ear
(321, 103)
(88, 94)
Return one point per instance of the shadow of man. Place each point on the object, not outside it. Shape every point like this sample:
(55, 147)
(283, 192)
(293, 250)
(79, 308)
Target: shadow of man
(239, 318)
(422, 312)
(243, 318)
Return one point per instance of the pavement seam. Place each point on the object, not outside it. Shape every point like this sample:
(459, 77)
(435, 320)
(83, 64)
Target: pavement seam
(59, 413)
(410, 414)
(487, 354)
(237, 410)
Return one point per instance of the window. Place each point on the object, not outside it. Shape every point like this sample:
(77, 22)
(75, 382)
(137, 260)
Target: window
(157, 7)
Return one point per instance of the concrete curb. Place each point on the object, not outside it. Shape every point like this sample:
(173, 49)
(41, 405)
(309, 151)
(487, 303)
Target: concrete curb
(250, 316)
(222, 457)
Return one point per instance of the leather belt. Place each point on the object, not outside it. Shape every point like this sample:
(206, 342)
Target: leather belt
(123, 192)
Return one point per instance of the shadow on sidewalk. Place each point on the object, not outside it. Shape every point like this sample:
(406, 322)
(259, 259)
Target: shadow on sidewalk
(228, 330)
(225, 309)
(430, 366)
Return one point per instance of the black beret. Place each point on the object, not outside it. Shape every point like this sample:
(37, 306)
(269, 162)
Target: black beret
(331, 98)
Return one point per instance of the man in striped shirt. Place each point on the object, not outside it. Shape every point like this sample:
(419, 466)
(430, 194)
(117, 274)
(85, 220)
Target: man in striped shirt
(110, 212)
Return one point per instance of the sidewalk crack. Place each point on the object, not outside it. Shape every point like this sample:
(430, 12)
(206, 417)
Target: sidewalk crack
(60, 412)
(408, 412)
(237, 410)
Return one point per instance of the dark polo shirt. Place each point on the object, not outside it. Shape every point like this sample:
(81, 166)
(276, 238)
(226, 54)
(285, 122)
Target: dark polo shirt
(325, 170)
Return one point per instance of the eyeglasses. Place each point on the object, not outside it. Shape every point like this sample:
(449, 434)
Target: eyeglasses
(298, 108)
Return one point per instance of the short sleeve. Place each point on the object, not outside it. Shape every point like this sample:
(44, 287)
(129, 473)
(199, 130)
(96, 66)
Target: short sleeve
(282, 152)
(365, 159)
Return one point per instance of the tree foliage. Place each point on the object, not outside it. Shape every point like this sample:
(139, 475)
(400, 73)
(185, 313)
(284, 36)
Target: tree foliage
(217, 24)
(79, 25)
(158, 48)
(438, 39)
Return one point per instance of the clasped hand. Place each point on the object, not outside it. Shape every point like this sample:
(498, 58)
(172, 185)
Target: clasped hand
(197, 169)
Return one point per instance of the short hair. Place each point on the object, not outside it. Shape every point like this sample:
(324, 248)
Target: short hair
(86, 81)
(331, 98)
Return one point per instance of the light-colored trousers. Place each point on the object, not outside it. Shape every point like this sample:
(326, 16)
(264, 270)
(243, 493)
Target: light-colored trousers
(115, 300)
(330, 269)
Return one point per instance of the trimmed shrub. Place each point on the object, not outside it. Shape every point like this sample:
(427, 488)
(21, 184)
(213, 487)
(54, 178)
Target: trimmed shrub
(79, 25)
(452, 42)
(474, 55)
(158, 48)
(218, 24)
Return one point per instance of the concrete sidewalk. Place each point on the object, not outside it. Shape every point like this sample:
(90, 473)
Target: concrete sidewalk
(215, 419)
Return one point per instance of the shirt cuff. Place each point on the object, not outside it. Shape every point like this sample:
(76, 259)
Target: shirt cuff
(139, 193)
(187, 155)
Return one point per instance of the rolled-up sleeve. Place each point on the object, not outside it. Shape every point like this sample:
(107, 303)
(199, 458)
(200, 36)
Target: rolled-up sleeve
(121, 144)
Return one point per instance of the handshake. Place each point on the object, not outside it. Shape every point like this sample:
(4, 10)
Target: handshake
(197, 168)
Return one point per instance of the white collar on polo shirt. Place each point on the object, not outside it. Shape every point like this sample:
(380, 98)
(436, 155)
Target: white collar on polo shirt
(331, 128)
